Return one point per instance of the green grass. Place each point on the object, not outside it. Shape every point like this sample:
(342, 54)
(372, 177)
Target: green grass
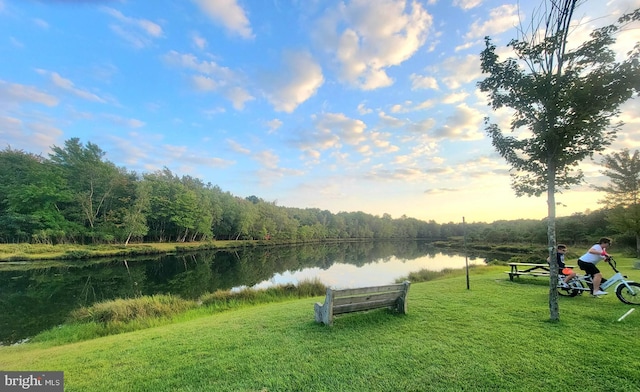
(494, 337)
(131, 314)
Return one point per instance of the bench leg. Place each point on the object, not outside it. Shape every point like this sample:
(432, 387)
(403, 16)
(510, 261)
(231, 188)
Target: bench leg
(402, 301)
(324, 312)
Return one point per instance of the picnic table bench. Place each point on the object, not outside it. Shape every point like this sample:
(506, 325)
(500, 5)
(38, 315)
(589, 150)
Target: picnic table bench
(360, 299)
(531, 269)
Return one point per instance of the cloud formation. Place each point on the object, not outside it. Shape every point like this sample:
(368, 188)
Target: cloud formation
(367, 37)
(229, 14)
(138, 32)
(15, 93)
(297, 82)
(208, 76)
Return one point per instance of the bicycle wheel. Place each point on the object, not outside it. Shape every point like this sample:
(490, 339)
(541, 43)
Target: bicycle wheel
(571, 290)
(629, 295)
(567, 292)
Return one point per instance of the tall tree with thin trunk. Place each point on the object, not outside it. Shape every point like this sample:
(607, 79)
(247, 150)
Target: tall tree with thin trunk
(563, 101)
(623, 192)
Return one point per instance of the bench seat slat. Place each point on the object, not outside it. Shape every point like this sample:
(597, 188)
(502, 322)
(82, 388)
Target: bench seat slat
(361, 306)
(366, 298)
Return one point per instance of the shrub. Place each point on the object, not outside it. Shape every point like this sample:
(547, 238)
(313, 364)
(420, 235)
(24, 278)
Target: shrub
(426, 275)
(125, 310)
(225, 299)
(77, 254)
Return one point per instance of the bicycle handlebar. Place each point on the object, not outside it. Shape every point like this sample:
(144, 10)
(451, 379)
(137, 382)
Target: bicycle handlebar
(612, 263)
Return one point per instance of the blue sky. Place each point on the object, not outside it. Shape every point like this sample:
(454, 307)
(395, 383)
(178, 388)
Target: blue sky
(353, 105)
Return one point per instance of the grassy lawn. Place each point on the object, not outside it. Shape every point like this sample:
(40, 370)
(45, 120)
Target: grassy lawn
(494, 337)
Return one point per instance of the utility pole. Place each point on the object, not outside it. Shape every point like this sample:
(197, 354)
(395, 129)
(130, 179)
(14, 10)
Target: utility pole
(464, 241)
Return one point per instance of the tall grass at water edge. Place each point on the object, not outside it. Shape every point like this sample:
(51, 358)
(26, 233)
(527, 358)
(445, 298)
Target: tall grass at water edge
(494, 337)
(131, 314)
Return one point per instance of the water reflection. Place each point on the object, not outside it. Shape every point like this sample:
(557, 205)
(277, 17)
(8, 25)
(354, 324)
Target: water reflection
(33, 298)
(375, 273)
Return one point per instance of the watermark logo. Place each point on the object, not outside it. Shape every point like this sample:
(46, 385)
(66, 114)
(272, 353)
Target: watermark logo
(32, 381)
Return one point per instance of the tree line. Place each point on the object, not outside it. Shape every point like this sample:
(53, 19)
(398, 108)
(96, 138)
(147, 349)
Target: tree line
(75, 195)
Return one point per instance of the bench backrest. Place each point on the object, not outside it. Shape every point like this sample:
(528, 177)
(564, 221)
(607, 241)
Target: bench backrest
(365, 298)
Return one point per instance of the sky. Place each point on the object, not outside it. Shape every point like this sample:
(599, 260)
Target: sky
(352, 105)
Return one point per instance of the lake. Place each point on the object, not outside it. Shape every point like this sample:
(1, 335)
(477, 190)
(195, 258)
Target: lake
(35, 297)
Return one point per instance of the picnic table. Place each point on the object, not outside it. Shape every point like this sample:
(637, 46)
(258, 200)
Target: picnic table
(531, 269)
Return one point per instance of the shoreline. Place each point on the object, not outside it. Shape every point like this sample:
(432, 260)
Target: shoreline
(26, 253)
(20, 254)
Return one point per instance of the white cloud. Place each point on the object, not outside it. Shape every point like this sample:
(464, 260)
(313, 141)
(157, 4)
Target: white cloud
(41, 23)
(267, 159)
(380, 140)
(349, 130)
(125, 122)
(423, 82)
(390, 121)
(237, 147)
(70, 87)
(455, 97)
(362, 109)
(501, 19)
(199, 41)
(138, 32)
(238, 97)
(467, 4)
(188, 157)
(461, 70)
(429, 103)
(204, 83)
(145, 151)
(229, 14)
(422, 126)
(299, 81)
(397, 108)
(192, 62)
(274, 125)
(311, 155)
(211, 77)
(464, 123)
(35, 137)
(13, 93)
(210, 113)
(379, 34)
(331, 131)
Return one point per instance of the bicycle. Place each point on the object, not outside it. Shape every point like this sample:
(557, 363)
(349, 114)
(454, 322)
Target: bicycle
(627, 291)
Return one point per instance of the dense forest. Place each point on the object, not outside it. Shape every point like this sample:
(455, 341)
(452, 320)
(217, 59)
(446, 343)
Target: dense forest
(75, 195)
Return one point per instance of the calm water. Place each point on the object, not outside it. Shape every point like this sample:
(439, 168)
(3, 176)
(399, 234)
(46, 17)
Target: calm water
(34, 299)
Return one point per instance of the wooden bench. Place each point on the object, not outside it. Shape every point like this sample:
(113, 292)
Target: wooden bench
(365, 298)
(531, 269)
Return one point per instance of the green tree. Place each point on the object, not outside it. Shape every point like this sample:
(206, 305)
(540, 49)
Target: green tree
(623, 192)
(32, 194)
(91, 179)
(178, 208)
(134, 221)
(562, 100)
(205, 212)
